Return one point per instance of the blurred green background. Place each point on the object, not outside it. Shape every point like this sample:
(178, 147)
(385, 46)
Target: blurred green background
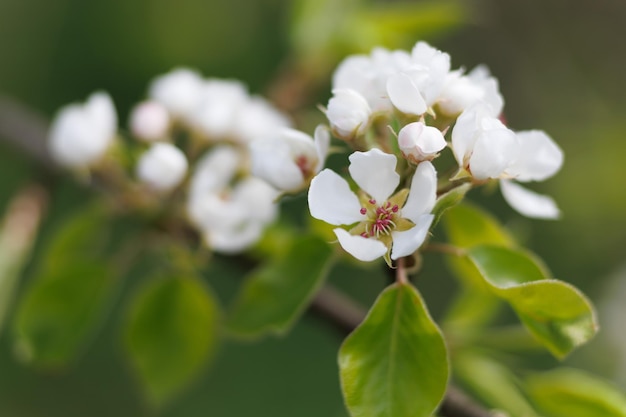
(561, 66)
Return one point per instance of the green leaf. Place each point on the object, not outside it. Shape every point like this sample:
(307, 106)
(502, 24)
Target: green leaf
(468, 226)
(493, 383)
(69, 295)
(573, 393)
(395, 363)
(449, 200)
(60, 311)
(274, 296)
(170, 334)
(555, 312)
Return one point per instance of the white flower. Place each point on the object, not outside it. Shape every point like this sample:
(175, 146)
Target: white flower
(463, 91)
(414, 89)
(258, 119)
(419, 142)
(389, 226)
(162, 167)
(179, 91)
(538, 158)
(289, 160)
(230, 216)
(81, 133)
(348, 113)
(149, 121)
(482, 145)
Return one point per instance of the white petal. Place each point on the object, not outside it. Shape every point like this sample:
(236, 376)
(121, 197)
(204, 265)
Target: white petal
(375, 173)
(407, 242)
(419, 141)
(331, 200)
(464, 135)
(539, 157)
(423, 192)
(162, 167)
(405, 95)
(272, 161)
(363, 248)
(322, 144)
(232, 241)
(348, 112)
(527, 202)
(494, 150)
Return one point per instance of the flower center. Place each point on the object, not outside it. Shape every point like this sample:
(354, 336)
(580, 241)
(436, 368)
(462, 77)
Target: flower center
(380, 218)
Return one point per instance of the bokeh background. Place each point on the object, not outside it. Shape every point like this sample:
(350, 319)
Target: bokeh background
(561, 66)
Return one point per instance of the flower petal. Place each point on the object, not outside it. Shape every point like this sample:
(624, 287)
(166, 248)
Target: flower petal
(331, 200)
(407, 242)
(494, 150)
(539, 157)
(363, 248)
(423, 192)
(527, 202)
(271, 161)
(405, 95)
(375, 173)
(321, 141)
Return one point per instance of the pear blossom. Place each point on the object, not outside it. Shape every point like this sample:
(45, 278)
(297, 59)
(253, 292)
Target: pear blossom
(230, 213)
(149, 121)
(464, 91)
(289, 160)
(258, 119)
(419, 142)
(416, 88)
(178, 91)
(482, 145)
(348, 113)
(162, 167)
(81, 133)
(385, 224)
(538, 159)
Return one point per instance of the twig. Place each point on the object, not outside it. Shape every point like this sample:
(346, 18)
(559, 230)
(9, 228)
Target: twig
(342, 312)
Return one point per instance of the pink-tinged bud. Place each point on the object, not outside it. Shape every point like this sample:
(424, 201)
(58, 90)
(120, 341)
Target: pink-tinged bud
(419, 142)
(149, 121)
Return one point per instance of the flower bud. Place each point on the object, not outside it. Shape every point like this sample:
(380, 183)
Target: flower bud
(162, 167)
(348, 113)
(419, 142)
(81, 133)
(149, 121)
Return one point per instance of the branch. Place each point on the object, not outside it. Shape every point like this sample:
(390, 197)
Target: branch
(342, 312)
(26, 130)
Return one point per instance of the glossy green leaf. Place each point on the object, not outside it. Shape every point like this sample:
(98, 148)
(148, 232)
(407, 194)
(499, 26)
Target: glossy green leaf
(70, 293)
(555, 312)
(61, 310)
(573, 393)
(395, 363)
(170, 334)
(274, 296)
(492, 383)
(449, 200)
(467, 226)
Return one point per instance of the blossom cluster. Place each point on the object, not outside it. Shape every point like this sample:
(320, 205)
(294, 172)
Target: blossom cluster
(394, 111)
(420, 99)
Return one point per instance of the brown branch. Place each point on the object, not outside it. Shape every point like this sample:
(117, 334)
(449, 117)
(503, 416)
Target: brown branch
(26, 130)
(342, 312)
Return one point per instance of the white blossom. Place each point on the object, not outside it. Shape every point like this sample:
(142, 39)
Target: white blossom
(162, 167)
(482, 145)
(290, 159)
(419, 142)
(230, 214)
(82, 133)
(385, 225)
(348, 113)
(178, 91)
(464, 91)
(149, 121)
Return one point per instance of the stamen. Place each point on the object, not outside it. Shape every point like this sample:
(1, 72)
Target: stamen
(372, 201)
(363, 210)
